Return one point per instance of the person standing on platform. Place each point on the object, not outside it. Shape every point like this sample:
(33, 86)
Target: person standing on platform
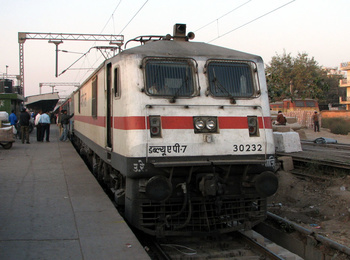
(38, 126)
(13, 121)
(65, 122)
(45, 126)
(316, 122)
(13, 118)
(24, 119)
(59, 115)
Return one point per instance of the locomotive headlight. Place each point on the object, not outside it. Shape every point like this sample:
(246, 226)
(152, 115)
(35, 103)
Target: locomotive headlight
(210, 124)
(205, 124)
(199, 124)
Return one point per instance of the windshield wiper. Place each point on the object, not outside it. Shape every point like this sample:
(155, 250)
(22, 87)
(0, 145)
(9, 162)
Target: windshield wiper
(184, 83)
(218, 85)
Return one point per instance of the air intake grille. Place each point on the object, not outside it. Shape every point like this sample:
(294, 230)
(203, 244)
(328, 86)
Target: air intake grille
(205, 215)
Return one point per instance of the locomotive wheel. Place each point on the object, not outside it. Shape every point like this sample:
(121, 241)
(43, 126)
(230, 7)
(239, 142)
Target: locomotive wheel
(7, 145)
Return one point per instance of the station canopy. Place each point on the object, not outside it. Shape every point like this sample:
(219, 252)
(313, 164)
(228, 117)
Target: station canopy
(43, 102)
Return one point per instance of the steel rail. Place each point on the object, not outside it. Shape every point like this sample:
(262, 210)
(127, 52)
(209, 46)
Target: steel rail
(319, 238)
(263, 250)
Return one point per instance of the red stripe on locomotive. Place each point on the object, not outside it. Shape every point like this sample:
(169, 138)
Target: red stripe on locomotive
(98, 121)
(172, 122)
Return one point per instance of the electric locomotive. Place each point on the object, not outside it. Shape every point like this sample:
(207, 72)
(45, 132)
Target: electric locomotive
(181, 132)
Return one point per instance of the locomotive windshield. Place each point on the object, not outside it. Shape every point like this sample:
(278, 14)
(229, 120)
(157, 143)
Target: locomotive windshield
(230, 79)
(170, 78)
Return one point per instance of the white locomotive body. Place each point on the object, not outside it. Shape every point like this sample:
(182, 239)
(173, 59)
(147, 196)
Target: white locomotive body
(181, 132)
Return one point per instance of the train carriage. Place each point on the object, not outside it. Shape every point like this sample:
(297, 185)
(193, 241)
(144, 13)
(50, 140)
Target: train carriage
(181, 133)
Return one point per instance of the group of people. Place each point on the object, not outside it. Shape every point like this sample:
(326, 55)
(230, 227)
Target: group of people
(281, 120)
(42, 123)
(24, 122)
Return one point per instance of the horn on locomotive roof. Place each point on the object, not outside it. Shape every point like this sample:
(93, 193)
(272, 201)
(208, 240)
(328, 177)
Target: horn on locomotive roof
(179, 33)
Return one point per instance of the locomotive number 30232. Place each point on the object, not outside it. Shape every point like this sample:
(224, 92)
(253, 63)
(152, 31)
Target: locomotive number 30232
(247, 148)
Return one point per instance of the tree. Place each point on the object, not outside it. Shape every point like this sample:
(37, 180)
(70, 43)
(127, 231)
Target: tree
(334, 92)
(299, 77)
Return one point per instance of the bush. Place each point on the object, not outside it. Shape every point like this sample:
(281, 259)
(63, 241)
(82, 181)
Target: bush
(337, 125)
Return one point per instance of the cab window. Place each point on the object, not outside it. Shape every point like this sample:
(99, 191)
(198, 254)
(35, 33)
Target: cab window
(170, 78)
(231, 79)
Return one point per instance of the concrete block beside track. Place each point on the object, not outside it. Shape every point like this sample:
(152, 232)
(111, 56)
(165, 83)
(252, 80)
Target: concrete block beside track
(288, 142)
(287, 163)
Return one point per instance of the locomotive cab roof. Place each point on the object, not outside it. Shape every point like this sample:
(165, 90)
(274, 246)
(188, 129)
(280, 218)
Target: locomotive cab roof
(188, 49)
(180, 47)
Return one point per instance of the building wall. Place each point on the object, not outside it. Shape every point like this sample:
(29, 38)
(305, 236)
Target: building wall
(345, 66)
(334, 114)
(5, 105)
(10, 101)
(304, 118)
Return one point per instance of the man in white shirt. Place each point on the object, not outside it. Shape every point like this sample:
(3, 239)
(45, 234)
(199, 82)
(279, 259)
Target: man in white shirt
(44, 120)
(38, 126)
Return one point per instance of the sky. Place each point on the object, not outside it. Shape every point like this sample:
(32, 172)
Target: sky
(262, 27)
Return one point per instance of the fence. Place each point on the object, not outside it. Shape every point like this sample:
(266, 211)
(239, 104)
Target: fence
(304, 118)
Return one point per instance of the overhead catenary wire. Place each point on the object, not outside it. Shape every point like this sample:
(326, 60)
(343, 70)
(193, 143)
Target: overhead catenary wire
(112, 17)
(133, 17)
(216, 20)
(236, 8)
(85, 54)
(261, 16)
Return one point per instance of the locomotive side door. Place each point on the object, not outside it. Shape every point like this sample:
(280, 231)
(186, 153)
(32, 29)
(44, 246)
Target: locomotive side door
(109, 107)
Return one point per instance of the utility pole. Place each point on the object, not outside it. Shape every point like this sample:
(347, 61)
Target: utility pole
(56, 43)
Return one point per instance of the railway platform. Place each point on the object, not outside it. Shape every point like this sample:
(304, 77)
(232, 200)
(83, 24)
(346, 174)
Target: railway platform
(51, 207)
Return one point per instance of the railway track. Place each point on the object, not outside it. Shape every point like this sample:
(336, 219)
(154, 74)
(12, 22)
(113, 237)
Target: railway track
(333, 156)
(301, 241)
(276, 238)
(238, 245)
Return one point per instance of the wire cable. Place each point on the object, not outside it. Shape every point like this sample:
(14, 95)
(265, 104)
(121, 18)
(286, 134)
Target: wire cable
(251, 21)
(111, 17)
(223, 15)
(133, 17)
(84, 55)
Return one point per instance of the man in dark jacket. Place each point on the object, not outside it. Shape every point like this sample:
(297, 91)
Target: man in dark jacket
(281, 119)
(315, 120)
(24, 119)
(65, 122)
